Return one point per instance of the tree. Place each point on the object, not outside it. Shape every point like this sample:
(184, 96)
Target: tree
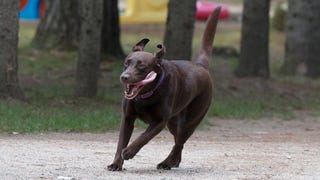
(9, 28)
(302, 41)
(313, 56)
(89, 48)
(254, 51)
(296, 33)
(60, 26)
(179, 29)
(111, 29)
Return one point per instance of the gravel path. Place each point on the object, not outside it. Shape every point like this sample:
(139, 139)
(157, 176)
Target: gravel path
(229, 149)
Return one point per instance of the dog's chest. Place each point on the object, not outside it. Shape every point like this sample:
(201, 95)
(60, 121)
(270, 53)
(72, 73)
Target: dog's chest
(146, 111)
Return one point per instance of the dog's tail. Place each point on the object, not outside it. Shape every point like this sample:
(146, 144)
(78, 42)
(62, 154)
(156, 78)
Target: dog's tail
(207, 39)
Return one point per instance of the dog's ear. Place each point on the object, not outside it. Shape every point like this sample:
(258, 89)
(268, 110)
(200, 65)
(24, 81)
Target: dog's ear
(160, 53)
(140, 45)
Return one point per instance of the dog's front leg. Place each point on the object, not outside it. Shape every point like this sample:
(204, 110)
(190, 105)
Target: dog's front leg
(153, 129)
(127, 125)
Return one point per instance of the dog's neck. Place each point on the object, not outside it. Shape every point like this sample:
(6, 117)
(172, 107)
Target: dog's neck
(151, 92)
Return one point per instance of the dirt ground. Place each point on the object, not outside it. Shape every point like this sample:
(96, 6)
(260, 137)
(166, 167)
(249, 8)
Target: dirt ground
(228, 149)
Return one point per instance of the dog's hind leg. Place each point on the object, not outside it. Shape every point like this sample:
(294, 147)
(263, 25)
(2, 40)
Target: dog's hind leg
(183, 127)
(174, 158)
(196, 111)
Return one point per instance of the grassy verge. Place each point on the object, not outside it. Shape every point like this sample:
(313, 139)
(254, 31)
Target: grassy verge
(21, 117)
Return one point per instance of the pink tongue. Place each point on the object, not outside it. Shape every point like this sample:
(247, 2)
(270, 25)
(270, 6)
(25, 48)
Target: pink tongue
(149, 78)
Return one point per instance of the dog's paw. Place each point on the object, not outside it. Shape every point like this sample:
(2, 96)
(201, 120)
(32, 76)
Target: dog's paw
(114, 167)
(128, 153)
(170, 162)
(163, 166)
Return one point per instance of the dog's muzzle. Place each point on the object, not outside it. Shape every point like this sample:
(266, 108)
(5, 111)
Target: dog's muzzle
(133, 89)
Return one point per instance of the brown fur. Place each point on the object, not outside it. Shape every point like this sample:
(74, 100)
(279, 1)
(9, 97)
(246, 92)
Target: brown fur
(180, 102)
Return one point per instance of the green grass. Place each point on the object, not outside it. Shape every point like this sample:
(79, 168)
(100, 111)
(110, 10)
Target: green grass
(239, 109)
(22, 117)
(248, 109)
(47, 78)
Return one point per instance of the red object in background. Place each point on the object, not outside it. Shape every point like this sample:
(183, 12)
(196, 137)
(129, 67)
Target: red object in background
(42, 8)
(204, 8)
(23, 4)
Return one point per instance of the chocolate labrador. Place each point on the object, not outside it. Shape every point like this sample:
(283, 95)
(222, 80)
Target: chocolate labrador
(176, 94)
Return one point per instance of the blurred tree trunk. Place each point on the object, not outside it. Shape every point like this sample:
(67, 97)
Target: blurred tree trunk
(59, 27)
(302, 38)
(254, 51)
(179, 29)
(89, 48)
(9, 28)
(296, 36)
(111, 29)
(313, 57)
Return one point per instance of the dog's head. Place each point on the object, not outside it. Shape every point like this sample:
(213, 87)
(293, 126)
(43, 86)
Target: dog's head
(140, 68)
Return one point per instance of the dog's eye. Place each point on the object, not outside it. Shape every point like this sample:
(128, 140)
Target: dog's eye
(126, 63)
(141, 65)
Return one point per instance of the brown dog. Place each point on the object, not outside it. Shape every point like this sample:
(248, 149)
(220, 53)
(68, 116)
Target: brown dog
(176, 94)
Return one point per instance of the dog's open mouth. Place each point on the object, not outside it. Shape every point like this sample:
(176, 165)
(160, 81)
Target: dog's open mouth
(132, 90)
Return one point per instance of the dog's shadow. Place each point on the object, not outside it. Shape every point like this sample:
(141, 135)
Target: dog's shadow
(174, 172)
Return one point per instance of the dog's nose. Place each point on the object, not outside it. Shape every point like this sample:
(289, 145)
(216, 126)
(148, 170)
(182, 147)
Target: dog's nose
(124, 77)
